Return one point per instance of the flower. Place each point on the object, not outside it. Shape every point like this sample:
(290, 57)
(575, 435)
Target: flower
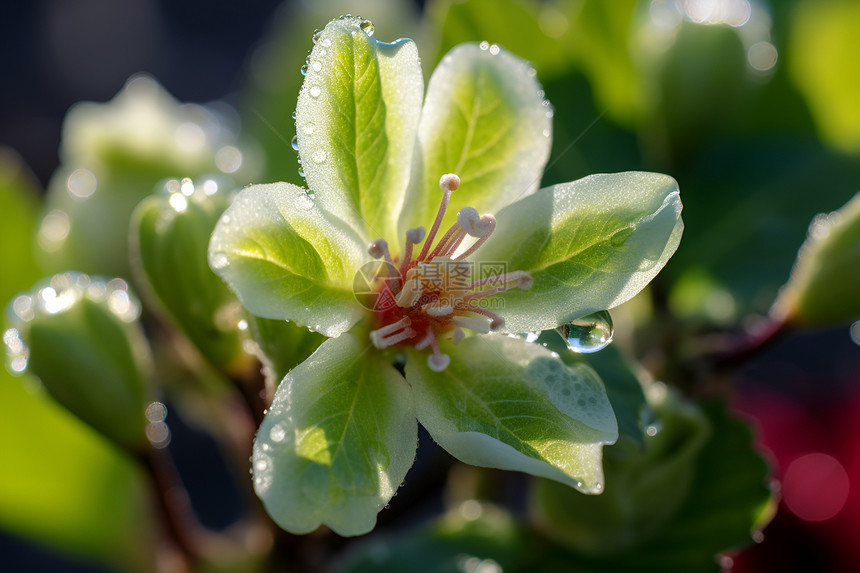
(341, 432)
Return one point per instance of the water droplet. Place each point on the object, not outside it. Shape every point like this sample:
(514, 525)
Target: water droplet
(261, 464)
(528, 336)
(309, 128)
(367, 27)
(304, 70)
(322, 52)
(589, 333)
(326, 42)
(315, 91)
(301, 173)
(22, 306)
(485, 45)
(494, 49)
(316, 66)
(304, 201)
(295, 143)
(219, 261)
(316, 36)
(318, 156)
(278, 433)
(294, 115)
(82, 183)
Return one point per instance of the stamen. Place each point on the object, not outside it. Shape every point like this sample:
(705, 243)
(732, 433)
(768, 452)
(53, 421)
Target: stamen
(448, 183)
(495, 290)
(444, 240)
(455, 242)
(413, 237)
(496, 321)
(524, 280)
(459, 335)
(436, 309)
(410, 294)
(468, 218)
(428, 339)
(393, 327)
(438, 361)
(379, 249)
(404, 334)
(487, 225)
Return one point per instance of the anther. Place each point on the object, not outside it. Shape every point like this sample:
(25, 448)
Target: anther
(413, 237)
(416, 235)
(378, 248)
(484, 227)
(449, 182)
(468, 217)
(438, 362)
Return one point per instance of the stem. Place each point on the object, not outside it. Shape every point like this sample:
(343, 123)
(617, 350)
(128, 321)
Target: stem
(179, 519)
(751, 344)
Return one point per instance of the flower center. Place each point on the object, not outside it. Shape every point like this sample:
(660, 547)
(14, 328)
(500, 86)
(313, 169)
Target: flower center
(437, 293)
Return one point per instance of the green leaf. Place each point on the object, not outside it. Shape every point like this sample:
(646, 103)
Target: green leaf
(589, 245)
(114, 155)
(287, 257)
(822, 39)
(64, 485)
(281, 346)
(484, 119)
(726, 500)
(81, 338)
(356, 120)
(623, 387)
(507, 404)
(18, 207)
(527, 28)
(769, 181)
(643, 487)
(336, 442)
(274, 82)
(824, 284)
(170, 239)
(471, 537)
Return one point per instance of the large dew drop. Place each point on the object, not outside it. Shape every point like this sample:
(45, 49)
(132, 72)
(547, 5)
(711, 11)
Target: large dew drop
(589, 333)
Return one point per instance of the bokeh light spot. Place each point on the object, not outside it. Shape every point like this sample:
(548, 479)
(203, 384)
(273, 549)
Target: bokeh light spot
(815, 487)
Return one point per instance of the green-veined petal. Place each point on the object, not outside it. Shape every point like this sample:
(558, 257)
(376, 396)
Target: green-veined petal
(287, 257)
(486, 120)
(356, 120)
(589, 245)
(337, 441)
(508, 404)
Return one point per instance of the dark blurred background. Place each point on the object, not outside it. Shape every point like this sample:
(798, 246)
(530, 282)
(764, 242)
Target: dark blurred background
(57, 52)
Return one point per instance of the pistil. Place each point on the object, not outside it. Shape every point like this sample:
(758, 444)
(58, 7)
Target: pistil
(433, 292)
